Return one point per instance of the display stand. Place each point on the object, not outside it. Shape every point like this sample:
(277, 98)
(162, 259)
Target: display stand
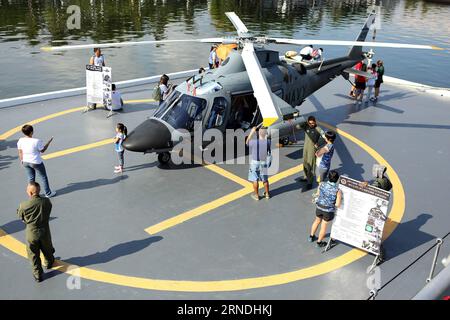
(376, 260)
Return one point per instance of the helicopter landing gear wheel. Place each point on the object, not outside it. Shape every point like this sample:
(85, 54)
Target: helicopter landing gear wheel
(164, 157)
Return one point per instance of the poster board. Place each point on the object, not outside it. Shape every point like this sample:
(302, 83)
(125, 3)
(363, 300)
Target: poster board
(361, 217)
(99, 85)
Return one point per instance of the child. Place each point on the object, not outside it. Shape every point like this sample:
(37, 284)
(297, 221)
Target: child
(120, 136)
(371, 82)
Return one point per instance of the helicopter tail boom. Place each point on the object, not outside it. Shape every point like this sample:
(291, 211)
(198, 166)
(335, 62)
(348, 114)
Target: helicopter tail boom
(356, 51)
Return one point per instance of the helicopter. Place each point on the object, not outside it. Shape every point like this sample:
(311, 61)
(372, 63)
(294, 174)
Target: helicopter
(252, 86)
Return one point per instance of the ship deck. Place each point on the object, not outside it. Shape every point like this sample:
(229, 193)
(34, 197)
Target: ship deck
(193, 232)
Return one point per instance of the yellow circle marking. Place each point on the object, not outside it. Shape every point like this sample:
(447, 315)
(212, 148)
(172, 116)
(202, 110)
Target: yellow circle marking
(353, 255)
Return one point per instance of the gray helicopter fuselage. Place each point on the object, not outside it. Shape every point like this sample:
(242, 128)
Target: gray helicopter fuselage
(290, 83)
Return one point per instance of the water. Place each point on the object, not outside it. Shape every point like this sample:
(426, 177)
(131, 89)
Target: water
(25, 26)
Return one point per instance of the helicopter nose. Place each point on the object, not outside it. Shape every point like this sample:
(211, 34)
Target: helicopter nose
(148, 136)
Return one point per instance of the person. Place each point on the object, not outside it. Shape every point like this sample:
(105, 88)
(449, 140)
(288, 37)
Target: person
(35, 213)
(162, 90)
(259, 150)
(30, 150)
(307, 53)
(98, 60)
(380, 72)
(121, 134)
(380, 179)
(117, 102)
(318, 55)
(324, 156)
(357, 67)
(371, 82)
(360, 85)
(328, 201)
(213, 59)
(313, 133)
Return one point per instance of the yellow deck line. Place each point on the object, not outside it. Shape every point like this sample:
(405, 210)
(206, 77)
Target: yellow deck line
(227, 174)
(169, 223)
(77, 149)
(17, 129)
(207, 207)
(353, 255)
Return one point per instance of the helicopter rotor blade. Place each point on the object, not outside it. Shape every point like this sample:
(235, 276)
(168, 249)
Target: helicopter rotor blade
(352, 43)
(132, 43)
(261, 88)
(237, 23)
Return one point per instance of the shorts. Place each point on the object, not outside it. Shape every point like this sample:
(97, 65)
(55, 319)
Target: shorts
(360, 85)
(378, 83)
(258, 172)
(326, 216)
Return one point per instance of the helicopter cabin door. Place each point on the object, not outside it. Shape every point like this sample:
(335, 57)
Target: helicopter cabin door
(244, 112)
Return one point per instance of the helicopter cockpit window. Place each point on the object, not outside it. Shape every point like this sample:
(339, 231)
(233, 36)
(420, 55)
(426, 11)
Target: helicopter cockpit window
(166, 104)
(217, 113)
(185, 112)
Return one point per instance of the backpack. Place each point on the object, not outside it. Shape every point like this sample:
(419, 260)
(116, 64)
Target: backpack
(157, 94)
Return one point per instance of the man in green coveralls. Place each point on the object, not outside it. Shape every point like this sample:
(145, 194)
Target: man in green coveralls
(35, 213)
(313, 133)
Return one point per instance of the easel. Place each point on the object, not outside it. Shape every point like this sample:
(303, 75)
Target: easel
(374, 263)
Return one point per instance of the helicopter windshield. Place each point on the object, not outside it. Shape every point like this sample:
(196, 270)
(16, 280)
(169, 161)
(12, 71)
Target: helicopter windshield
(185, 111)
(166, 104)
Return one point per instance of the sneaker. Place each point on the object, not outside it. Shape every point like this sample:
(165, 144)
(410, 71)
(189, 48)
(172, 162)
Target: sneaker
(255, 197)
(312, 238)
(267, 196)
(303, 179)
(38, 279)
(51, 195)
(118, 170)
(117, 167)
(50, 264)
(321, 244)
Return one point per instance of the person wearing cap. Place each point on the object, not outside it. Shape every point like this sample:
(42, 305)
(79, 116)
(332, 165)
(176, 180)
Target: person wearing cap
(259, 152)
(35, 213)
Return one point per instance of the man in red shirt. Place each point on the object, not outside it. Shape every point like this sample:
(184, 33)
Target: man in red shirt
(358, 67)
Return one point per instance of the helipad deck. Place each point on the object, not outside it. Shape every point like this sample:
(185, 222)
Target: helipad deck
(193, 232)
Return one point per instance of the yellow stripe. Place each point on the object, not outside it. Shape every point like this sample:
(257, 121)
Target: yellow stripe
(192, 286)
(395, 216)
(226, 174)
(183, 217)
(283, 175)
(169, 223)
(17, 129)
(78, 149)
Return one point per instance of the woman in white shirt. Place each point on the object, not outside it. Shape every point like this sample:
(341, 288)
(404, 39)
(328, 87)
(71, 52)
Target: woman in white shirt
(30, 150)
